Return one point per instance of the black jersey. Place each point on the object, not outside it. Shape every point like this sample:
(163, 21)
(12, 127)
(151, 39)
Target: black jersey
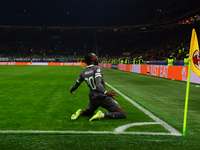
(93, 76)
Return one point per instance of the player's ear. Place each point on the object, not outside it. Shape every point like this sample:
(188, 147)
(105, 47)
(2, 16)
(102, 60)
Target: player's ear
(92, 58)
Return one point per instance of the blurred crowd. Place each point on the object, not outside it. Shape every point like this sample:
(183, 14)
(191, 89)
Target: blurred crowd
(107, 43)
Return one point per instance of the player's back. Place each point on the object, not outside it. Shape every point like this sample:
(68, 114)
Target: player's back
(89, 74)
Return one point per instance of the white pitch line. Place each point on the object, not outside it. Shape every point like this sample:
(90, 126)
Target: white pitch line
(81, 132)
(164, 124)
(126, 126)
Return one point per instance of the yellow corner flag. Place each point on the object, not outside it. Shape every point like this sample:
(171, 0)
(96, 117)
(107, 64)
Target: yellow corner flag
(195, 65)
(194, 53)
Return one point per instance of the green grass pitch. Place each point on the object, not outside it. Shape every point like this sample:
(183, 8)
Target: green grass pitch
(37, 99)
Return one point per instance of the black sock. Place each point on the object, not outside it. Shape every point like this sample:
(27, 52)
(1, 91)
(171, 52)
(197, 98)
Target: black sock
(115, 115)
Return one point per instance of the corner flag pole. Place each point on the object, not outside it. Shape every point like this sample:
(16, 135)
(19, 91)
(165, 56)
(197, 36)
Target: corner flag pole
(186, 99)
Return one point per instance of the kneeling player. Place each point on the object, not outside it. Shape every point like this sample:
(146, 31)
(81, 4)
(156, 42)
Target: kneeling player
(98, 96)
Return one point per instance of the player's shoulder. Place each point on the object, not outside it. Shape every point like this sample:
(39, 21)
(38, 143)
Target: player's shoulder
(92, 68)
(97, 68)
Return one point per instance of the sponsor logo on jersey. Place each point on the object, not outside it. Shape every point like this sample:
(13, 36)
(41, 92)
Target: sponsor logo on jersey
(89, 72)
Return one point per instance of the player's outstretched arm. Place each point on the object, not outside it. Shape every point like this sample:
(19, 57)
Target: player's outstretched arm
(112, 94)
(72, 91)
(74, 87)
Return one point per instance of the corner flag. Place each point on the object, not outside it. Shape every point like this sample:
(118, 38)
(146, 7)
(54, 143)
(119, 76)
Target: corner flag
(194, 53)
(194, 63)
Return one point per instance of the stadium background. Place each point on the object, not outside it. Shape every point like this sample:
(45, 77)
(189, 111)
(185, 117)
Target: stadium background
(68, 30)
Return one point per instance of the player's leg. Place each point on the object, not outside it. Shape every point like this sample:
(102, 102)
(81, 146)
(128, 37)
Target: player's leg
(90, 110)
(86, 112)
(118, 113)
(115, 110)
(120, 109)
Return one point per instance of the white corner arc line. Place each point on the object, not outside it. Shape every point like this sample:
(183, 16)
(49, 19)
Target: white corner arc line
(164, 124)
(121, 129)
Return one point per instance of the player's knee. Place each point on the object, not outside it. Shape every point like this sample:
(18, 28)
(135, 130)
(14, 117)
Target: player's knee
(124, 116)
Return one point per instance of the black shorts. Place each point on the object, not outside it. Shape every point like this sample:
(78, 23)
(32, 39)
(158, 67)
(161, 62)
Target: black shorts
(107, 103)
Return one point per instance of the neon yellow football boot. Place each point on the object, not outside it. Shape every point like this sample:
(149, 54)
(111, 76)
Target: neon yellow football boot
(98, 115)
(76, 114)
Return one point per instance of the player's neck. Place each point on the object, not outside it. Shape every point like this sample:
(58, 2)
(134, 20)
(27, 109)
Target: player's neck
(90, 65)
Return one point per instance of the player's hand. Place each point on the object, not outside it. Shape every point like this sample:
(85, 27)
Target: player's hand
(112, 94)
(72, 91)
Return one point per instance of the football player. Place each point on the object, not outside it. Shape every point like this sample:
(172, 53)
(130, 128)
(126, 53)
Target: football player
(99, 96)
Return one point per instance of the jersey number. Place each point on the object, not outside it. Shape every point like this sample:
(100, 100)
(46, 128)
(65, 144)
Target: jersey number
(90, 82)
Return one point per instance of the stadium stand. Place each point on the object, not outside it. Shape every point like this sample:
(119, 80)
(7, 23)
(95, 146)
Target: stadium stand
(58, 43)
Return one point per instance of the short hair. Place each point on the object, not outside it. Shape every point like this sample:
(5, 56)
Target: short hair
(88, 58)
